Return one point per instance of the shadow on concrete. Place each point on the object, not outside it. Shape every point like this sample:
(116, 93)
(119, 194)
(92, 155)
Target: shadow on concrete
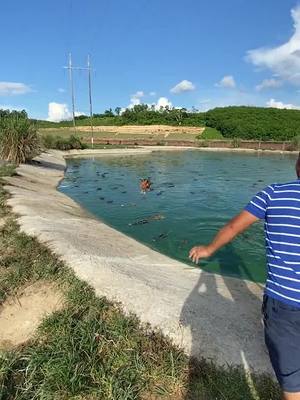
(239, 301)
(47, 164)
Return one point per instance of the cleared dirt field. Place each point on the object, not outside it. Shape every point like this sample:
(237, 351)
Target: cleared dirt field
(146, 129)
(130, 131)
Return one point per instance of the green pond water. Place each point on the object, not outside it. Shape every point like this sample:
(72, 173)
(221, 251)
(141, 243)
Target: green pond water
(194, 194)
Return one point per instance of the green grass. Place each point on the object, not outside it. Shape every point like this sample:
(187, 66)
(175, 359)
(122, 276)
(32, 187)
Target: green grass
(210, 134)
(90, 349)
(67, 132)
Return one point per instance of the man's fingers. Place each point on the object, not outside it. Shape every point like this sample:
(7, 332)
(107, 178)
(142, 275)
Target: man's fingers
(195, 257)
(194, 251)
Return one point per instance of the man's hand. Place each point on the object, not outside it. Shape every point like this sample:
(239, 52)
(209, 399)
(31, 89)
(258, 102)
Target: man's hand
(198, 252)
(237, 225)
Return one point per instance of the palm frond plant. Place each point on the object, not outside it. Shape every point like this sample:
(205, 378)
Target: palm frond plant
(19, 141)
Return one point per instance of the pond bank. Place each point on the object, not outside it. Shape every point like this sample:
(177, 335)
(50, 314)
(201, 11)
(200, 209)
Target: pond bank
(208, 315)
(234, 144)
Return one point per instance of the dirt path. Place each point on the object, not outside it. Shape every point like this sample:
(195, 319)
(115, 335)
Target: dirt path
(142, 129)
(21, 314)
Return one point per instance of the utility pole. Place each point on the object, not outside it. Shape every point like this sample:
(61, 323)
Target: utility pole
(90, 98)
(89, 69)
(70, 69)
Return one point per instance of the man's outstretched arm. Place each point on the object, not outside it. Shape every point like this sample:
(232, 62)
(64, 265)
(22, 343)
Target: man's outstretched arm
(225, 235)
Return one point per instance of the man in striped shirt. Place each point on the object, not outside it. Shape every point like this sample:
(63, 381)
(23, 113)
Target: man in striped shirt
(279, 206)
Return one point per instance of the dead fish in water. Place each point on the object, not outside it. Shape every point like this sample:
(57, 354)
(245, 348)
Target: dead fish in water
(156, 217)
(160, 237)
(168, 184)
(140, 222)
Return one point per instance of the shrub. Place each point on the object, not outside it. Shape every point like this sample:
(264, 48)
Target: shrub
(19, 141)
(49, 141)
(203, 143)
(236, 143)
(294, 144)
(60, 143)
(210, 134)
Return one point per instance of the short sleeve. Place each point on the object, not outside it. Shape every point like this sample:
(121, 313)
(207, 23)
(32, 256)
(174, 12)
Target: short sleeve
(259, 203)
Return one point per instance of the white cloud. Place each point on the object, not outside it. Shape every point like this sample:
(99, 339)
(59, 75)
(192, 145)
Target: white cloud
(135, 99)
(268, 84)
(183, 86)
(163, 102)
(152, 94)
(10, 107)
(58, 112)
(138, 95)
(227, 82)
(13, 88)
(61, 90)
(279, 104)
(134, 102)
(283, 60)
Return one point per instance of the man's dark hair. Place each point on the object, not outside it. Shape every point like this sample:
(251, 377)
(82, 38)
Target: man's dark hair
(298, 166)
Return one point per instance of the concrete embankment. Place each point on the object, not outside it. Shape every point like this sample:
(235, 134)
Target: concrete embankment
(208, 315)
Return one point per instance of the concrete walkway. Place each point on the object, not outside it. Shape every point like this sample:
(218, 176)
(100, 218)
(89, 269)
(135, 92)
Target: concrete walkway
(207, 315)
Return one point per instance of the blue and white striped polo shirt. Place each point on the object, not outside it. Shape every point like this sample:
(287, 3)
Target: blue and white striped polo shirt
(279, 206)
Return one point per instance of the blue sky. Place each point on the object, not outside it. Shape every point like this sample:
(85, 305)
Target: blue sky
(192, 53)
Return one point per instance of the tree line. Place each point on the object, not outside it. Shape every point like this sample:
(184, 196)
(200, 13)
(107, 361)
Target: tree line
(243, 122)
(143, 114)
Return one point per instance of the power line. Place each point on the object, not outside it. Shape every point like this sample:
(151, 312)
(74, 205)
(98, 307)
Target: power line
(90, 98)
(70, 67)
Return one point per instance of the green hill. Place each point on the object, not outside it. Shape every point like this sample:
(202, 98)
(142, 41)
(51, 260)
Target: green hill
(255, 122)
